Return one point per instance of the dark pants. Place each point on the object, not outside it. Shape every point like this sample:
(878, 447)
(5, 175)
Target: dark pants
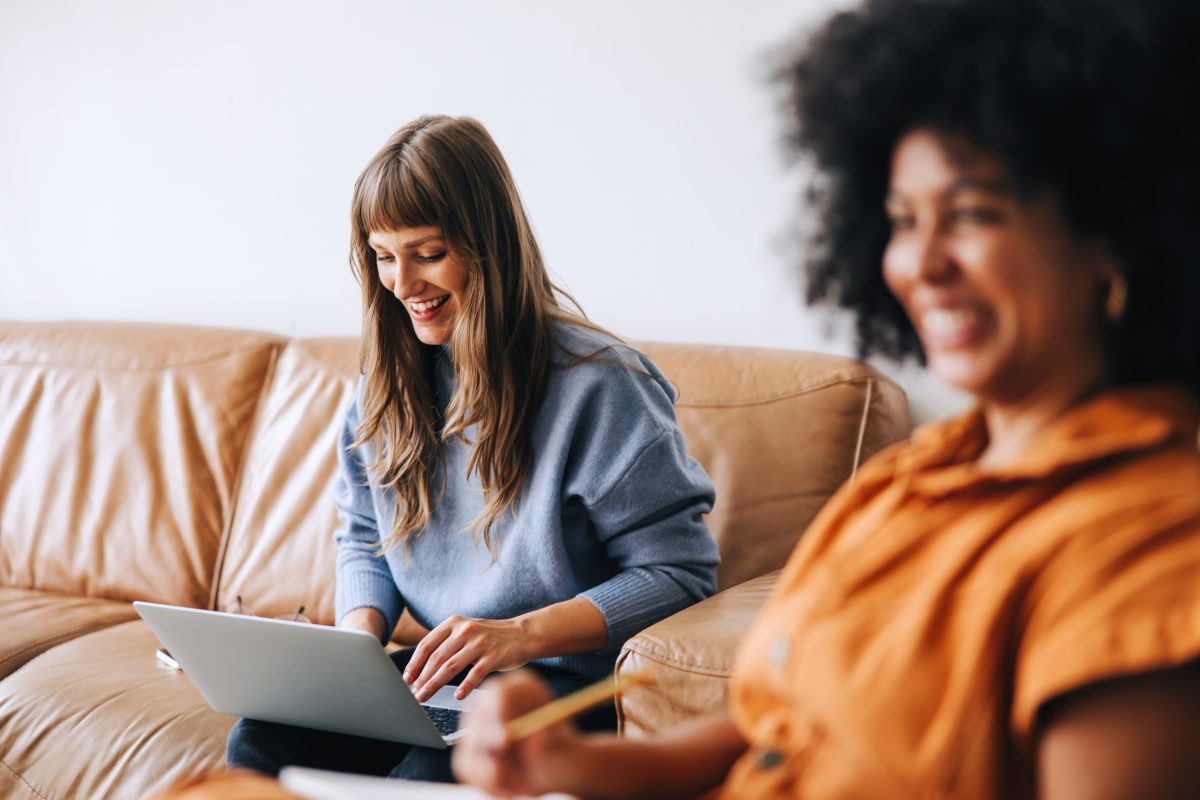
(268, 747)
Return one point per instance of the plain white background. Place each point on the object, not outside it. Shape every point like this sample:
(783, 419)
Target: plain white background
(182, 161)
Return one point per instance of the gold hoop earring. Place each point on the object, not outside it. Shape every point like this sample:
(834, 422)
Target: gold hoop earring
(1114, 303)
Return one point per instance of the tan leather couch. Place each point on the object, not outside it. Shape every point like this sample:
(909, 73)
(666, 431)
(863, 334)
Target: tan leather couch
(191, 465)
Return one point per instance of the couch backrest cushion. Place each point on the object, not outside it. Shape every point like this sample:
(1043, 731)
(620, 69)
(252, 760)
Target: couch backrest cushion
(778, 431)
(119, 448)
(280, 552)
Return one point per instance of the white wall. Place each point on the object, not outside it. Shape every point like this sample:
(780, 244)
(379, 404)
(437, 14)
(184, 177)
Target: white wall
(192, 161)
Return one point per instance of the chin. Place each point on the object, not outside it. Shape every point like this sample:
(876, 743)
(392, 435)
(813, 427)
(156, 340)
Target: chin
(434, 337)
(963, 373)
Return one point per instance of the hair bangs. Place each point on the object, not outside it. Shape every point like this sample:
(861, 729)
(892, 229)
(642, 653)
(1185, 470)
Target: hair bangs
(392, 195)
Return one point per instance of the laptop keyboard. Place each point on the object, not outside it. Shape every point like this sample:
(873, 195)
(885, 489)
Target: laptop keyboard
(444, 719)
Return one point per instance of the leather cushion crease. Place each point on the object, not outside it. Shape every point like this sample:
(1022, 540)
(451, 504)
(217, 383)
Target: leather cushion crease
(192, 465)
(35, 621)
(117, 473)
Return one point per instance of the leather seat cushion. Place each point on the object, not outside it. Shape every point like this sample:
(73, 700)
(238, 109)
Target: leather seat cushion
(36, 621)
(689, 658)
(99, 716)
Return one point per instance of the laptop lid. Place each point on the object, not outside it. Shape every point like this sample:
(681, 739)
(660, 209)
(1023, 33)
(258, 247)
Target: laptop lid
(294, 673)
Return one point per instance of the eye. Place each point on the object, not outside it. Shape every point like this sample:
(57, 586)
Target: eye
(432, 258)
(976, 215)
(383, 257)
(901, 222)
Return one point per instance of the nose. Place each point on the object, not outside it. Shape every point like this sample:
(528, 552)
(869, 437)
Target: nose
(923, 254)
(406, 281)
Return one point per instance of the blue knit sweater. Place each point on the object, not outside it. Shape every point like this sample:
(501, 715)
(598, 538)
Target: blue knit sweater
(610, 511)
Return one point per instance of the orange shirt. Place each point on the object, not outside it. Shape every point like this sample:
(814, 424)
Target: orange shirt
(933, 607)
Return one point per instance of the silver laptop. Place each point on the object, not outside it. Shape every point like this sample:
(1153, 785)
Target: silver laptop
(294, 673)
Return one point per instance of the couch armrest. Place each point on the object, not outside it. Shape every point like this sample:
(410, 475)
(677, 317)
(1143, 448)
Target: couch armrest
(689, 657)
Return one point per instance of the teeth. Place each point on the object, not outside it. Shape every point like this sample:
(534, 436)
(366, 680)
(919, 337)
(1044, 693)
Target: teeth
(945, 321)
(426, 305)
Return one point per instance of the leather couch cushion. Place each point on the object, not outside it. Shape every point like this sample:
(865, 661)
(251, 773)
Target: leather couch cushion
(120, 448)
(280, 553)
(34, 621)
(98, 716)
(777, 431)
(689, 658)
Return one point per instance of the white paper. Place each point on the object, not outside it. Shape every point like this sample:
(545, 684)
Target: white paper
(317, 784)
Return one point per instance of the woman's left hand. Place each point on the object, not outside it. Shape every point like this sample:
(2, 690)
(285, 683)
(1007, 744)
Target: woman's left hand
(488, 644)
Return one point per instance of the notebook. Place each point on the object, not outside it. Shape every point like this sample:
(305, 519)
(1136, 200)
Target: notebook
(316, 784)
(295, 673)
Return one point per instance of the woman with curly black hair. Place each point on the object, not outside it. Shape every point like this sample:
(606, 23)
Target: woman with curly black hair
(1008, 604)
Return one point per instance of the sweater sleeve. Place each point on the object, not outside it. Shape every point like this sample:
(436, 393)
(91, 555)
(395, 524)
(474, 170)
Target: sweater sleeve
(363, 576)
(651, 525)
(644, 496)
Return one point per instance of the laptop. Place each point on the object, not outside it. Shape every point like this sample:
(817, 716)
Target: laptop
(295, 673)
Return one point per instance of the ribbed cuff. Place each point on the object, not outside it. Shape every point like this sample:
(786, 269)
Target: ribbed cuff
(368, 590)
(634, 600)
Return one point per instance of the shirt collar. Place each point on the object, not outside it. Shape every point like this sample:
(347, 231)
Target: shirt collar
(942, 456)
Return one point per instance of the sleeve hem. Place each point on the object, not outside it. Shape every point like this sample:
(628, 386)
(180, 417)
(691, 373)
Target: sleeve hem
(1071, 663)
(368, 590)
(629, 604)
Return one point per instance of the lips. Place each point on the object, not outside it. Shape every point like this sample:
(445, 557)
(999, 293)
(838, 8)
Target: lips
(947, 328)
(425, 306)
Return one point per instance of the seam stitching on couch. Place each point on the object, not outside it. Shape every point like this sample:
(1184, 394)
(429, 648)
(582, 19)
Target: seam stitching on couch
(272, 343)
(770, 398)
(21, 778)
(236, 488)
(663, 658)
(862, 430)
(619, 699)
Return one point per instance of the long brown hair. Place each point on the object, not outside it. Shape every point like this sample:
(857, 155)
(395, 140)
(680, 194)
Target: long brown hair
(447, 171)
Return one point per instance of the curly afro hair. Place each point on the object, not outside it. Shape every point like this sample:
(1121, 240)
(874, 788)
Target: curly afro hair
(1088, 99)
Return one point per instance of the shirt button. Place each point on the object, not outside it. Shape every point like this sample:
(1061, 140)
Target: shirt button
(769, 758)
(780, 650)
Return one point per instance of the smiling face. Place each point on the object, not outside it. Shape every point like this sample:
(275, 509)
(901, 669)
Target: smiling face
(1005, 298)
(416, 266)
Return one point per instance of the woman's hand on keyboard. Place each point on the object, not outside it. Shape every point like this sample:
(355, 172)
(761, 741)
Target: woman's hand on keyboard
(484, 645)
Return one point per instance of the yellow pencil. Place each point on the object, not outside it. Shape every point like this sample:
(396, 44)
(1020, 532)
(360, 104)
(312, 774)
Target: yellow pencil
(572, 704)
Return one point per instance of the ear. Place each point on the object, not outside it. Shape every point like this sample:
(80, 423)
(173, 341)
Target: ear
(1114, 288)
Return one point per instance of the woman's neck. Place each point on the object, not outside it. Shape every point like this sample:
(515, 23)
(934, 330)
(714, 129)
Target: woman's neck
(1015, 427)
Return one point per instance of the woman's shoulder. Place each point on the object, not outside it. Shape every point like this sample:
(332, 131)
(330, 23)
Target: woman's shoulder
(587, 353)
(598, 372)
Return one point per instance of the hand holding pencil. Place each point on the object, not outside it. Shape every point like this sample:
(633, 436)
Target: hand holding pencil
(517, 738)
(575, 703)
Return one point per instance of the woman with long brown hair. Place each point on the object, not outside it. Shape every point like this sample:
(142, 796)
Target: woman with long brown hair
(511, 474)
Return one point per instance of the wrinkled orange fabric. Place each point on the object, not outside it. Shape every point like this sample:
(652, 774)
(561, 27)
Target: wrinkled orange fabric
(933, 607)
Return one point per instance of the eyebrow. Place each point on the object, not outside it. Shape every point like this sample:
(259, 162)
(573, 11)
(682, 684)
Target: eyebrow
(409, 245)
(987, 185)
(993, 186)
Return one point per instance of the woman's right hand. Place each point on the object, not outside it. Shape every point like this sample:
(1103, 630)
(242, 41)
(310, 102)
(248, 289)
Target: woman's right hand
(685, 762)
(489, 759)
(365, 619)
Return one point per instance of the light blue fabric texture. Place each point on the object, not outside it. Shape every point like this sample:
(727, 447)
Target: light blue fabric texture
(611, 511)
